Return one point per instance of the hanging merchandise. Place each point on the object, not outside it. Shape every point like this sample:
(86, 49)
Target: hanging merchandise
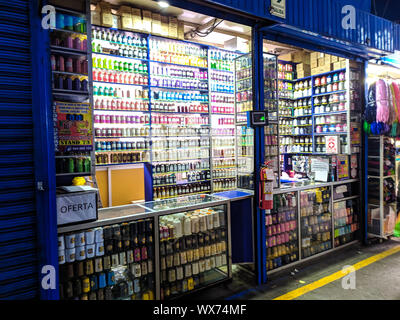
(382, 101)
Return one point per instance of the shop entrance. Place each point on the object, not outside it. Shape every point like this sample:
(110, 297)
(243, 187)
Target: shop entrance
(313, 146)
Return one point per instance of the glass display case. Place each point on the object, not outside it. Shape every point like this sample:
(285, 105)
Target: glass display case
(244, 134)
(193, 243)
(315, 221)
(282, 238)
(155, 250)
(382, 199)
(109, 262)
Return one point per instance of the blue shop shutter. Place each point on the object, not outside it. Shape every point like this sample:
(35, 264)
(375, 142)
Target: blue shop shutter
(18, 249)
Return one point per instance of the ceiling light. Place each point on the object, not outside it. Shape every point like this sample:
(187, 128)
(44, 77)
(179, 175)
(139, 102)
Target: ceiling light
(163, 4)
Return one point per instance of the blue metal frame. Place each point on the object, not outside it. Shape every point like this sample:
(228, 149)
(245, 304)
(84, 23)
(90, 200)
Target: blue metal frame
(258, 104)
(43, 148)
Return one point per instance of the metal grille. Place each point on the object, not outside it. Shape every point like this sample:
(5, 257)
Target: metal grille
(18, 256)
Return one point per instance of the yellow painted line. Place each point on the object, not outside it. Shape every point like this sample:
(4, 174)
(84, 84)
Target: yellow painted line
(337, 275)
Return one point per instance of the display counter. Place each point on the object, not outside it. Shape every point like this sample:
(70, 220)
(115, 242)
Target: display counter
(311, 218)
(116, 257)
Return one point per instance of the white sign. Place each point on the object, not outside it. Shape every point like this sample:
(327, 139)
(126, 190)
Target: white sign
(278, 8)
(332, 144)
(73, 208)
(321, 169)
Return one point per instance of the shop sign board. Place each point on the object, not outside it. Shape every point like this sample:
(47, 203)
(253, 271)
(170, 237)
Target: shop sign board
(278, 8)
(73, 127)
(332, 144)
(76, 207)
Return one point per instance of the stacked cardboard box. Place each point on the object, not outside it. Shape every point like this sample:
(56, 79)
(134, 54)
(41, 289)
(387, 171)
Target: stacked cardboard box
(303, 70)
(126, 17)
(286, 57)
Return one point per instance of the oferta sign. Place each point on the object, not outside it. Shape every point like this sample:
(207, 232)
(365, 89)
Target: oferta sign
(278, 8)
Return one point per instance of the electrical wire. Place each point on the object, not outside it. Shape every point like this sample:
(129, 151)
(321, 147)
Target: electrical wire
(208, 31)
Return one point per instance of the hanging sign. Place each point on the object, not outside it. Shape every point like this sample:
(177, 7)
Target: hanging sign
(73, 126)
(278, 8)
(332, 144)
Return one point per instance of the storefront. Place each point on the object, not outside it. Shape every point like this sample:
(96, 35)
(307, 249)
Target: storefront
(150, 104)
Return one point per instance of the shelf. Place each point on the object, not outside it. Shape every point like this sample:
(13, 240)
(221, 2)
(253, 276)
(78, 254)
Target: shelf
(122, 71)
(121, 84)
(305, 97)
(179, 65)
(302, 79)
(180, 101)
(180, 195)
(177, 160)
(325, 73)
(65, 50)
(179, 148)
(119, 43)
(170, 172)
(330, 133)
(330, 113)
(179, 183)
(118, 56)
(225, 167)
(180, 89)
(113, 110)
(74, 174)
(221, 92)
(384, 177)
(134, 137)
(122, 151)
(222, 114)
(176, 112)
(329, 93)
(68, 31)
(70, 92)
(121, 164)
(218, 70)
(70, 73)
(345, 199)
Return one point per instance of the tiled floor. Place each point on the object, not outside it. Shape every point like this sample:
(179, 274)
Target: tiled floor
(379, 280)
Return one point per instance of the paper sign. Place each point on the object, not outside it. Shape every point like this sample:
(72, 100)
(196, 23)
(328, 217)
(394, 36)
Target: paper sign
(73, 208)
(321, 168)
(278, 8)
(332, 144)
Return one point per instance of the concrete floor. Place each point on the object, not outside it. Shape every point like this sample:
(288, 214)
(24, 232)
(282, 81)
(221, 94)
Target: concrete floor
(377, 281)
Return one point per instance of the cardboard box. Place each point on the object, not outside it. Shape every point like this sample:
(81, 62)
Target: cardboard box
(327, 59)
(336, 65)
(314, 56)
(181, 30)
(126, 17)
(314, 64)
(303, 74)
(321, 62)
(146, 21)
(326, 68)
(173, 27)
(106, 16)
(303, 67)
(342, 64)
(286, 57)
(314, 71)
(156, 23)
(334, 59)
(96, 15)
(298, 57)
(137, 23)
(164, 26)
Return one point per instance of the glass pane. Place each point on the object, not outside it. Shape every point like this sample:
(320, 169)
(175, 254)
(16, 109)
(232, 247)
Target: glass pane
(179, 202)
(346, 221)
(282, 231)
(315, 221)
(114, 262)
(193, 250)
(245, 135)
